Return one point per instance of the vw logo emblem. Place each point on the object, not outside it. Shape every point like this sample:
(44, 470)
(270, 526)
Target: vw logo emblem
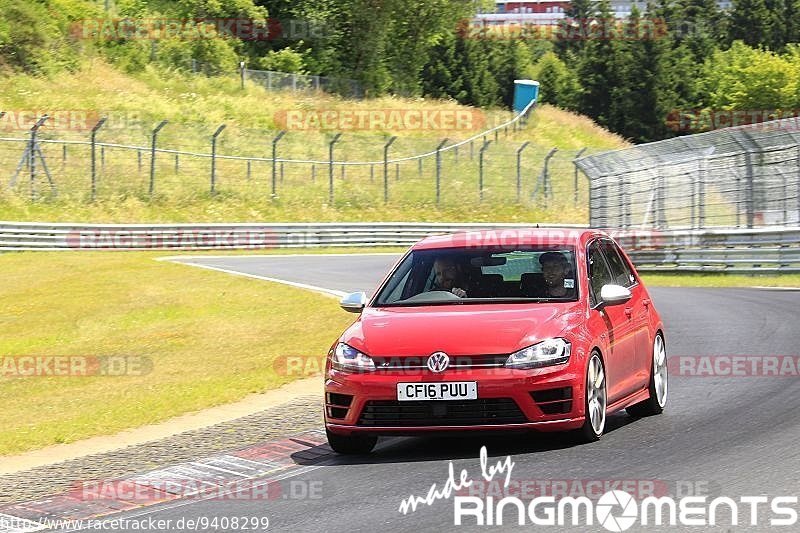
(438, 362)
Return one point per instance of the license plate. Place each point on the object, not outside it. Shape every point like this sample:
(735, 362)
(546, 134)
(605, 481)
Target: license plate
(446, 390)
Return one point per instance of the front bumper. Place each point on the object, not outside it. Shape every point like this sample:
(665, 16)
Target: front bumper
(544, 399)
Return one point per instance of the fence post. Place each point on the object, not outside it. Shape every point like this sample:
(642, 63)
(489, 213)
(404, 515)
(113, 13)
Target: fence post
(63, 157)
(95, 129)
(386, 168)
(625, 202)
(439, 168)
(153, 155)
(274, 160)
(214, 157)
(32, 153)
(519, 167)
(577, 156)
(546, 173)
(480, 167)
(661, 219)
(749, 192)
(177, 164)
(701, 195)
(242, 73)
(798, 184)
(542, 181)
(330, 167)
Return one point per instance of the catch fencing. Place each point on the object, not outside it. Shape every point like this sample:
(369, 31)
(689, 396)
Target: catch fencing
(743, 177)
(125, 156)
(283, 81)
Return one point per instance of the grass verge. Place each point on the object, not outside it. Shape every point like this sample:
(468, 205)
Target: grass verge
(211, 338)
(703, 279)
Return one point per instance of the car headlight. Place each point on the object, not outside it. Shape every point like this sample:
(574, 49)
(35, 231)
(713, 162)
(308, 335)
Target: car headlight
(347, 358)
(545, 353)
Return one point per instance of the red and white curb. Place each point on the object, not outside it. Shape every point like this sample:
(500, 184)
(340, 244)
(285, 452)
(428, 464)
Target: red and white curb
(220, 475)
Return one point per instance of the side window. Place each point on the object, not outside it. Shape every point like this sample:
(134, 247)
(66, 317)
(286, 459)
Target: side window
(620, 271)
(599, 273)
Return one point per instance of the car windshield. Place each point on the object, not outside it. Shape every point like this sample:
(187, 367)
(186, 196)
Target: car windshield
(462, 275)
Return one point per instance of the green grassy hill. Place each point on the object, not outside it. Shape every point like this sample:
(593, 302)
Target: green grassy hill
(195, 105)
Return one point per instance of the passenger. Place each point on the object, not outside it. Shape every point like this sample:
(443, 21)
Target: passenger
(449, 276)
(555, 269)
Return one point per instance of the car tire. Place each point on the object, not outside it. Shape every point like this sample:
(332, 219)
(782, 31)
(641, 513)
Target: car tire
(659, 383)
(351, 444)
(595, 400)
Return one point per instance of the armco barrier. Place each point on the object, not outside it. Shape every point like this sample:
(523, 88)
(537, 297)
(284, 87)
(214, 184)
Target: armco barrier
(722, 249)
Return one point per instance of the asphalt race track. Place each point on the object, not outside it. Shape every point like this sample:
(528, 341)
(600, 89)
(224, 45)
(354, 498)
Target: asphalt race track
(720, 436)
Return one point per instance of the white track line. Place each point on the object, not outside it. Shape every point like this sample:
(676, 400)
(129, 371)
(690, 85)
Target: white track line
(175, 258)
(327, 292)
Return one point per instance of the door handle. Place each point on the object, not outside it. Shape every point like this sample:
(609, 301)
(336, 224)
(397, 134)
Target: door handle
(646, 301)
(628, 311)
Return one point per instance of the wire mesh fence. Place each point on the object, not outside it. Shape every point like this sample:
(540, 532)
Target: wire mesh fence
(488, 170)
(745, 176)
(272, 81)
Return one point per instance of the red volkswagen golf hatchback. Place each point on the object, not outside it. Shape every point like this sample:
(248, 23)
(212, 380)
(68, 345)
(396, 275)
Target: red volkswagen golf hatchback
(540, 329)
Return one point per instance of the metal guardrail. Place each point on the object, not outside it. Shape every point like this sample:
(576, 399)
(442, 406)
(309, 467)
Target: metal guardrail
(764, 250)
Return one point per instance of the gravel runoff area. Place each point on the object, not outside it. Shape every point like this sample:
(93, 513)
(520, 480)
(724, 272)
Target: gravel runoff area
(301, 414)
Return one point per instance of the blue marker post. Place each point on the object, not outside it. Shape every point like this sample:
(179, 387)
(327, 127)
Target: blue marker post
(525, 91)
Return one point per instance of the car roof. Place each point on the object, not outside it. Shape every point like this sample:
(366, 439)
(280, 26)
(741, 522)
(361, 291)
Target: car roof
(509, 237)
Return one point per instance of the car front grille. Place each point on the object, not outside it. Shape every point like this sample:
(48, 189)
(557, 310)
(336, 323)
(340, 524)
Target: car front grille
(486, 411)
(459, 361)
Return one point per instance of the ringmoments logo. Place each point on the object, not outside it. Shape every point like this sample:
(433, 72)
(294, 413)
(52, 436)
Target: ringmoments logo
(615, 510)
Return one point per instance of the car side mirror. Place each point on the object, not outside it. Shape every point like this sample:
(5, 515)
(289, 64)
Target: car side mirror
(614, 294)
(354, 302)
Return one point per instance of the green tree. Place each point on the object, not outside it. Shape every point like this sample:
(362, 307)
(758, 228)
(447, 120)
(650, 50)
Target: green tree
(640, 99)
(597, 67)
(750, 21)
(559, 85)
(571, 30)
(745, 78)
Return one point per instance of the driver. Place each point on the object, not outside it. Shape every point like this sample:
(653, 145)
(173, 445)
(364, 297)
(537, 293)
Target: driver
(555, 268)
(449, 276)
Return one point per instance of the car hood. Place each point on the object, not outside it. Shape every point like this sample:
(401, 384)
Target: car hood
(468, 329)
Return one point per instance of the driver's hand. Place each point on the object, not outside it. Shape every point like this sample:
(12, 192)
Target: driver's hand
(461, 293)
